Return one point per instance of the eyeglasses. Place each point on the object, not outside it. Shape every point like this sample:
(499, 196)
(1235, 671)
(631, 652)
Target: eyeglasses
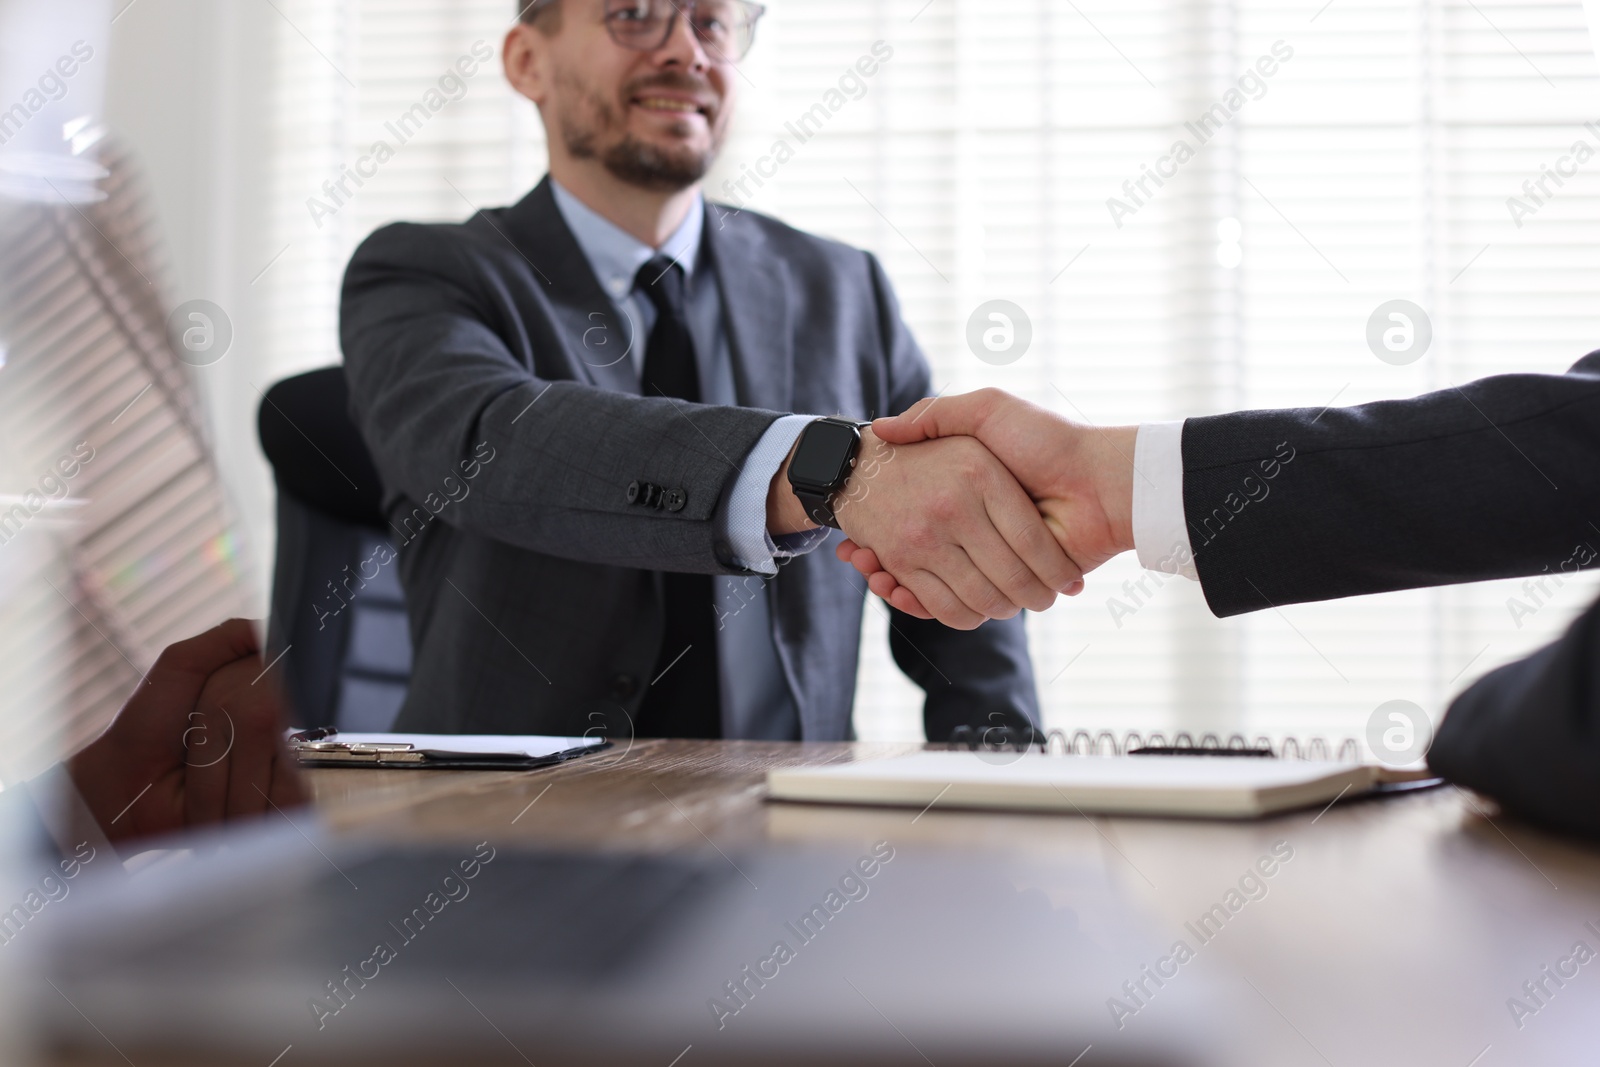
(727, 28)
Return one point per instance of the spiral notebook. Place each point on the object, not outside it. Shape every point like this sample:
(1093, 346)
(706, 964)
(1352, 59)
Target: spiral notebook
(1131, 775)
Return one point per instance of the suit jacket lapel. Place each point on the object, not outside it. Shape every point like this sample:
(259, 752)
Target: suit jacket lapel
(586, 321)
(755, 309)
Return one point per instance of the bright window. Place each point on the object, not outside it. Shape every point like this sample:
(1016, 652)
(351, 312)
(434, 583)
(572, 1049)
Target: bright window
(1366, 154)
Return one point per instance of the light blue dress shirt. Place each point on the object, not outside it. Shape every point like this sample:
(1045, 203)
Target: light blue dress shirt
(757, 703)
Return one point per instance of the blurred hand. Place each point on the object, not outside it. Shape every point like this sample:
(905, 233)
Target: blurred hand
(199, 742)
(1080, 478)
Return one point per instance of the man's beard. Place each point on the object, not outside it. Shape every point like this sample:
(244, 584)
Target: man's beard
(647, 166)
(630, 159)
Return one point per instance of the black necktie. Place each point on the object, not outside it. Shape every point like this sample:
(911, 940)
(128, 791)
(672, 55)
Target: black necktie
(684, 698)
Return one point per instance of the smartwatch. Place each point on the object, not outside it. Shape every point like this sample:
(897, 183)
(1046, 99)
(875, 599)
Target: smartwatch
(822, 464)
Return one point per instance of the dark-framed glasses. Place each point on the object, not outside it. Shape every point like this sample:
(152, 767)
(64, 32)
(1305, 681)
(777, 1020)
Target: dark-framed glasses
(726, 28)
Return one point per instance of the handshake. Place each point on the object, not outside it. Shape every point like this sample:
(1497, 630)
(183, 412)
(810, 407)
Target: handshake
(975, 507)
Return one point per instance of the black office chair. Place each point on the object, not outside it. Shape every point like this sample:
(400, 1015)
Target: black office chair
(338, 611)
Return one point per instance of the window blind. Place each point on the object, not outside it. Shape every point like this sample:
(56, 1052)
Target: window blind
(986, 156)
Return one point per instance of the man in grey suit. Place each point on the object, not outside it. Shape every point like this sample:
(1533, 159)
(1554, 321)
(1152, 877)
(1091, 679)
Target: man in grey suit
(609, 365)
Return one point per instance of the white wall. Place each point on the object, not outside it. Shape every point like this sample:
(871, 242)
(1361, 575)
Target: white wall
(187, 89)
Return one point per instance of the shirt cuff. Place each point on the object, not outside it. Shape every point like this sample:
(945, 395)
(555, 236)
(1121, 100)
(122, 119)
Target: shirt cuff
(753, 547)
(1160, 530)
(66, 815)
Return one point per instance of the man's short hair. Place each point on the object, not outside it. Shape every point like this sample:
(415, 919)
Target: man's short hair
(545, 14)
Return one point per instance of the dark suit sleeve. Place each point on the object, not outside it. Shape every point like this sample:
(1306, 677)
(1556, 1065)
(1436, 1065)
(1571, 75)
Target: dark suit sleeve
(1497, 478)
(1528, 734)
(981, 678)
(439, 393)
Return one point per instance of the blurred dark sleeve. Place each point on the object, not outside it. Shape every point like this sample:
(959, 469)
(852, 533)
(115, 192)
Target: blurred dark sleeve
(1528, 734)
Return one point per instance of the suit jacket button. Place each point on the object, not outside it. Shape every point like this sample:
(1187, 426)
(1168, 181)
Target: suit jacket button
(634, 489)
(624, 686)
(674, 499)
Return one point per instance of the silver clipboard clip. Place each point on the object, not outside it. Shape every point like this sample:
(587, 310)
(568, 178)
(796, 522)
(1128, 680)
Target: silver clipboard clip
(345, 752)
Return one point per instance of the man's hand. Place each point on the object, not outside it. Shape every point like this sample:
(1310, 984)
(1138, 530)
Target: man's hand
(948, 520)
(1081, 478)
(200, 741)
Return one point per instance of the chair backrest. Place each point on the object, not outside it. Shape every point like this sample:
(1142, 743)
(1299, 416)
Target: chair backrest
(338, 611)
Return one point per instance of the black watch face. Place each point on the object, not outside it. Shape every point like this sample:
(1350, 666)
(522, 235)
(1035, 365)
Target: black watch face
(823, 457)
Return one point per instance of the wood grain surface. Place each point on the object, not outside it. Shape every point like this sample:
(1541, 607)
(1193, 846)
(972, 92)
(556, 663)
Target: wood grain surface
(1399, 932)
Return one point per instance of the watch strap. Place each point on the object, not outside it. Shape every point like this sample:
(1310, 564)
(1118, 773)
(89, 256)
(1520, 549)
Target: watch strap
(819, 506)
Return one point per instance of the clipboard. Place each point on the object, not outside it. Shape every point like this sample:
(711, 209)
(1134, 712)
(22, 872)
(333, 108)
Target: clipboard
(327, 747)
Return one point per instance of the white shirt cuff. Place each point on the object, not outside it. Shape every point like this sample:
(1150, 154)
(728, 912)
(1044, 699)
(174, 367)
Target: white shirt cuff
(65, 814)
(1160, 530)
(753, 547)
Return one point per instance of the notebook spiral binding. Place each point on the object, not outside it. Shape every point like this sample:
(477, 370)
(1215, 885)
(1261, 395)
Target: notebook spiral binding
(1107, 743)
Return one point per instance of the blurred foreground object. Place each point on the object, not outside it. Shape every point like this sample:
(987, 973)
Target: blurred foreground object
(95, 405)
(52, 87)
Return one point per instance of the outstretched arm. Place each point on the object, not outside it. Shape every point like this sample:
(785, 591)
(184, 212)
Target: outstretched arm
(1377, 498)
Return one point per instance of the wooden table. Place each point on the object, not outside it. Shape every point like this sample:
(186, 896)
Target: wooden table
(1398, 932)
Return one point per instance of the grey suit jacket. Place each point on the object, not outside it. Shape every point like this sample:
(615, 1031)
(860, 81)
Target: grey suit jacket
(489, 349)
